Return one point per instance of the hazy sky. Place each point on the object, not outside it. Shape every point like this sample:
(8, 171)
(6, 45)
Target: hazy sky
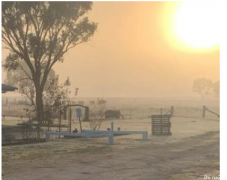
(136, 52)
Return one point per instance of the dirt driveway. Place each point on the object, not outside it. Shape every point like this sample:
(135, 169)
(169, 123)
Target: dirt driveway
(156, 159)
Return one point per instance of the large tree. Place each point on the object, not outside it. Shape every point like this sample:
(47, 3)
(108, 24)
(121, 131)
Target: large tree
(54, 93)
(42, 32)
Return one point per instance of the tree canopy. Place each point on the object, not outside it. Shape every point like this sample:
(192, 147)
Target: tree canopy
(206, 87)
(43, 32)
(216, 88)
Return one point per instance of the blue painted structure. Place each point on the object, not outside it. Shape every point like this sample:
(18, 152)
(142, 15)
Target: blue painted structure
(87, 135)
(91, 133)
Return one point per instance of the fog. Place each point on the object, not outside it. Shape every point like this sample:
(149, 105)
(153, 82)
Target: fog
(130, 56)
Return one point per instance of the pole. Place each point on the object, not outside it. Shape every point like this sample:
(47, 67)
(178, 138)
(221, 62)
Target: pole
(80, 125)
(60, 120)
(70, 120)
(161, 121)
(87, 114)
(111, 140)
(172, 111)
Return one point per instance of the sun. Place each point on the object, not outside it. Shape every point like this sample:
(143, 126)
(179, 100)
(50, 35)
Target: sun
(197, 24)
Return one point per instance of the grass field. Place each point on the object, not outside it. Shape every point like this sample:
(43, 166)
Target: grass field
(189, 153)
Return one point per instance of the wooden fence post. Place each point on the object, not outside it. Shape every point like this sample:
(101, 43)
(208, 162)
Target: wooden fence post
(111, 138)
(161, 121)
(86, 114)
(172, 111)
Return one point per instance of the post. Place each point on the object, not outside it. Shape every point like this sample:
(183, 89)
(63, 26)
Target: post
(87, 114)
(161, 121)
(111, 138)
(47, 136)
(171, 111)
(70, 120)
(204, 111)
(145, 135)
(151, 125)
(60, 120)
(80, 125)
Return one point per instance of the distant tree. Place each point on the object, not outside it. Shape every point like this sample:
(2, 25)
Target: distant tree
(42, 32)
(216, 88)
(203, 86)
(97, 113)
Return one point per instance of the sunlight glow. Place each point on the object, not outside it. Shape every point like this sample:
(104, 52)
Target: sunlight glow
(197, 24)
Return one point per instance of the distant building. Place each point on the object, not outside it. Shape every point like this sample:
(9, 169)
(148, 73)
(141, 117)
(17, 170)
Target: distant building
(6, 88)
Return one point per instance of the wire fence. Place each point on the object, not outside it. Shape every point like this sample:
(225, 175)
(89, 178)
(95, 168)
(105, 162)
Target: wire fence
(187, 111)
(130, 112)
(175, 111)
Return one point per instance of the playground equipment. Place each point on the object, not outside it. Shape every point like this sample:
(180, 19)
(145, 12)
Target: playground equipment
(63, 113)
(115, 133)
(91, 133)
(87, 135)
(68, 110)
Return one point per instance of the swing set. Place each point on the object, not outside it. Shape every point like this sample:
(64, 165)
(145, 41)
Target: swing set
(66, 114)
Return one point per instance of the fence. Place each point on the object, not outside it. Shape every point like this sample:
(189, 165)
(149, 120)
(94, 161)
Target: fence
(134, 112)
(187, 111)
(16, 111)
(175, 111)
(141, 113)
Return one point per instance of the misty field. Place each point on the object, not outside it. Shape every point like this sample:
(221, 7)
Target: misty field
(138, 108)
(191, 152)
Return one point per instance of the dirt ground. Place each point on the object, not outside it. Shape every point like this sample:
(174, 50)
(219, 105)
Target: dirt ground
(191, 152)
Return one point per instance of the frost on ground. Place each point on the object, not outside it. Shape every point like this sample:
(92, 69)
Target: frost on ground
(191, 152)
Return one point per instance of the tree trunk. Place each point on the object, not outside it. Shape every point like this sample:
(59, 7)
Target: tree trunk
(39, 107)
